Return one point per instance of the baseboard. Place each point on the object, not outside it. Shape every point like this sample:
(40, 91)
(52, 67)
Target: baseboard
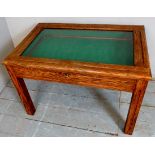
(4, 77)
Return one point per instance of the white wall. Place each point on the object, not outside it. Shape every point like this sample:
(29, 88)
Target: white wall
(19, 28)
(6, 46)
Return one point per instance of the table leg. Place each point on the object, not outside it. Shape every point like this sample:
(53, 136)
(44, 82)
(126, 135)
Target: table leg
(135, 105)
(22, 91)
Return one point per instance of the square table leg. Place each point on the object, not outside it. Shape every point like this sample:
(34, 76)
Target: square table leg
(136, 101)
(22, 91)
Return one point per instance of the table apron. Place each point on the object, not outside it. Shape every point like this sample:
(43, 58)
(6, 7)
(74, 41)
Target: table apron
(106, 82)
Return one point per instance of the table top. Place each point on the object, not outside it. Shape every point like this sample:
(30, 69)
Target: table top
(108, 47)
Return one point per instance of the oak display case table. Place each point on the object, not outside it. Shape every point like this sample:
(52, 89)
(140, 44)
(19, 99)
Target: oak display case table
(102, 56)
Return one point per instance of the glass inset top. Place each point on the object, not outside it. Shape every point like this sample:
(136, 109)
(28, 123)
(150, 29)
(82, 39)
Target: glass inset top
(108, 47)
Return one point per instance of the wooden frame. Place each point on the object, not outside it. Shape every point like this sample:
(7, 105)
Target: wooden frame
(125, 78)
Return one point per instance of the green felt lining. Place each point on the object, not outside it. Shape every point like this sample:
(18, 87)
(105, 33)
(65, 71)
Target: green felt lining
(109, 47)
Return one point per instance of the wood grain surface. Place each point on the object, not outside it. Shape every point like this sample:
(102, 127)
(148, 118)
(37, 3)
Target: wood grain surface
(136, 101)
(22, 91)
